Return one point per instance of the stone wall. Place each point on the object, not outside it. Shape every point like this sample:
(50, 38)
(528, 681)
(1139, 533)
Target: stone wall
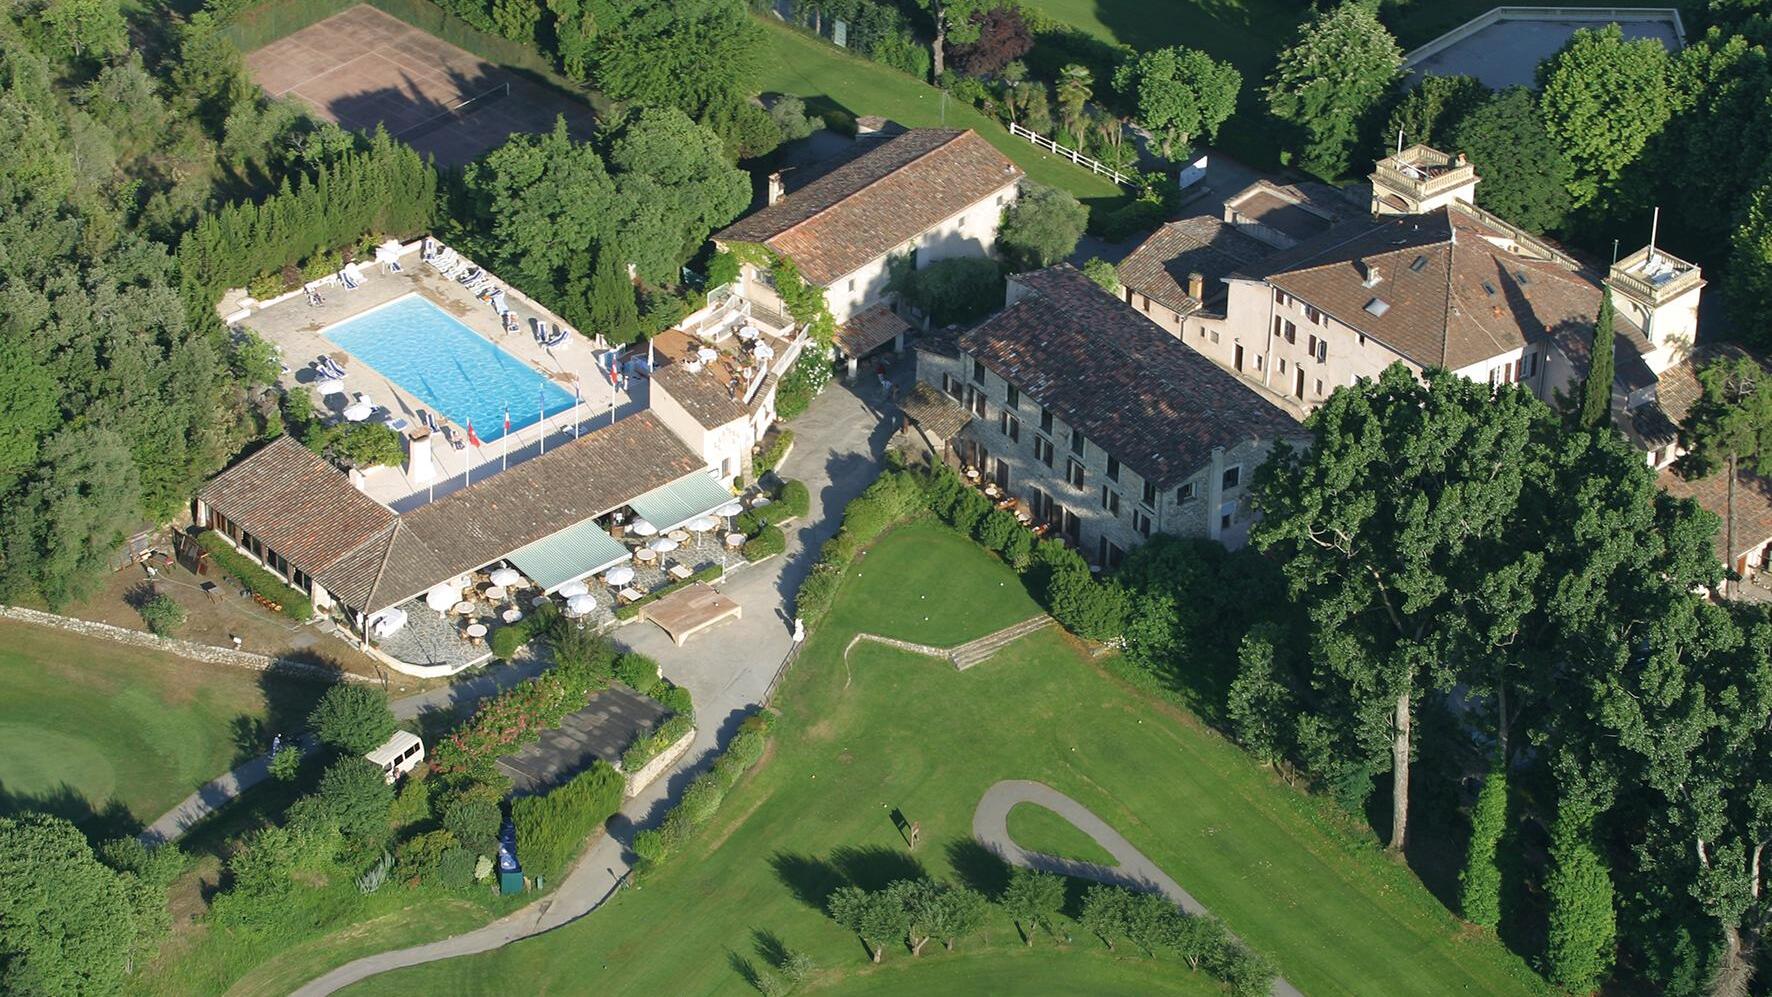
(659, 765)
(183, 648)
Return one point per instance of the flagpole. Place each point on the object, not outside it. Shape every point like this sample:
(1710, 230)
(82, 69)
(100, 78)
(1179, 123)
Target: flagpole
(541, 409)
(504, 460)
(467, 463)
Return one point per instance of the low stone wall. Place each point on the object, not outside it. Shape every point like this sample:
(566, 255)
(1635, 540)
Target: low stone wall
(183, 648)
(659, 765)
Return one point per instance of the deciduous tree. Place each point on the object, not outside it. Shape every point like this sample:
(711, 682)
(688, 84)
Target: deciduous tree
(954, 23)
(1041, 228)
(1730, 424)
(1525, 174)
(1340, 66)
(66, 923)
(1603, 98)
(1032, 899)
(352, 717)
(1179, 93)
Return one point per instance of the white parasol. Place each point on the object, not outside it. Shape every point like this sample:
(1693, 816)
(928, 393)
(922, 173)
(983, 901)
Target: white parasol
(707, 354)
(731, 508)
(641, 528)
(619, 575)
(663, 545)
(359, 411)
(763, 351)
(580, 605)
(700, 524)
(387, 621)
(571, 589)
(748, 332)
(330, 386)
(388, 251)
(506, 577)
(441, 597)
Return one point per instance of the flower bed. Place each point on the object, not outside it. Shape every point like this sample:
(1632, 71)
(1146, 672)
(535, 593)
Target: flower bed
(632, 609)
(270, 591)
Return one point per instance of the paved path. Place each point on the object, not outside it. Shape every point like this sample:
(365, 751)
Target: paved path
(838, 445)
(990, 825)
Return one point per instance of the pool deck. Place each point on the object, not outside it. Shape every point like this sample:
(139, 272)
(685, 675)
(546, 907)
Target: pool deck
(298, 330)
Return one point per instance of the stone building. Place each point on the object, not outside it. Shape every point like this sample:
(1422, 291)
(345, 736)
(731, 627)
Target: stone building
(1099, 423)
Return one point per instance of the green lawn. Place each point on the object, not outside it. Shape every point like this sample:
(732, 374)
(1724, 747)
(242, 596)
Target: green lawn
(1038, 829)
(916, 589)
(830, 79)
(88, 726)
(892, 730)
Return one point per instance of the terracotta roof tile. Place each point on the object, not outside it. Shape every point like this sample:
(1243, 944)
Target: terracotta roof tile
(298, 503)
(705, 395)
(938, 415)
(1753, 506)
(1209, 246)
(870, 330)
(1135, 391)
(877, 201)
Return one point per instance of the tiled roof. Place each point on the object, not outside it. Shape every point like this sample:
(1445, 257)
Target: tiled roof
(396, 558)
(1297, 210)
(1134, 390)
(1454, 293)
(297, 503)
(702, 394)
(1209, 246)
(1753, 507)
(877, 201)
(870, 330)
(936, 413)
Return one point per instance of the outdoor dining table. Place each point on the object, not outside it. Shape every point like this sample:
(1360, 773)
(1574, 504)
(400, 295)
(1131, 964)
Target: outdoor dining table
(629, 595)
(679, 536)
(646, 555)
(512, 615)
(463, 608)
(735, 539)
(680, 572)
(476, 631)
(496, 593)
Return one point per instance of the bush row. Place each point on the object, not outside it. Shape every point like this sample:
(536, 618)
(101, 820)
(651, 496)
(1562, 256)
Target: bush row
(288, 600)
(647, 746)
(511, 637)
(768, 542)
(893, 497)
(632, 609)
(772, 454)
(551, 828)
(703, 797)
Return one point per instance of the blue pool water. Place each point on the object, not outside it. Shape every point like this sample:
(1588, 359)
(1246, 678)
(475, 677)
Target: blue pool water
(448, 366)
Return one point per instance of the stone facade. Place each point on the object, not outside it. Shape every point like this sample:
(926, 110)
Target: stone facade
(1114, 510)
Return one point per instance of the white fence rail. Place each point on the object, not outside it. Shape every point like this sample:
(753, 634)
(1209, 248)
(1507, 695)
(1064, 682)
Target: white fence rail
(1092, 165)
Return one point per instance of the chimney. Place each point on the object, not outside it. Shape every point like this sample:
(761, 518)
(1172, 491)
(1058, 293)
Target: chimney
(1196, 286)
(419, 467)
(1371, 273)
(776, 190)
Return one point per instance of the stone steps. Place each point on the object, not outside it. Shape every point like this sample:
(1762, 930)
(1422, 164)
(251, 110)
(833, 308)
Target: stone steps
(973, 652)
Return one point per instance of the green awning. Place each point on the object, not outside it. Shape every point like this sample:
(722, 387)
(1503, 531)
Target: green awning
(682, 500)
(572, 553)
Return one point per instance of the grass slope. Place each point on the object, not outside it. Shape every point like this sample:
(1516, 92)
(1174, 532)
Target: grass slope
(88, 725)
(830, 79)
(890, 730)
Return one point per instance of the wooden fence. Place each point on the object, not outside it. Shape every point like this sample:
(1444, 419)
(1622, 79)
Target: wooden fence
(1092, 165)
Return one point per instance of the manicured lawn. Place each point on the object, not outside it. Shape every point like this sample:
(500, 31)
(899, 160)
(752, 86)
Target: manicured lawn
(930, 585)
(88, 725)
(894, 730)
(1245, 32)
(1038, 829)
(830, 79)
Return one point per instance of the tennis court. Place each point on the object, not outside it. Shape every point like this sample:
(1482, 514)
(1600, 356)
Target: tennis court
(363, 67)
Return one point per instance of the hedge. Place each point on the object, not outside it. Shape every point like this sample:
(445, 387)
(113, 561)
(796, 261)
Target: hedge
(768, 542)
(792, 502)
(772, 454)
(639, 672)
(701, 801)
(508, 639)
(647, 746)
(551, 828)
(893, 497)
(632, 609)
(273, 591)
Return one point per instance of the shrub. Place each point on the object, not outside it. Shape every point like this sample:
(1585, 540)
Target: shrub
(750, 521)
(998, 528)
(1041, 228)
(1121, 223)
(357, 797)
(676, 699)
(265, 286)
(163, 615)
(455, 869)
(793, 501)
(270, 589)
(701, 800)
(968, 510)
(286, 764)
(954, 290)
(419, 857)
(318, 266)
(790, 117)
(802, 383)
(1019, 549)
(412, 804)
(649, 847)
(582, 655)
(1103, 273)
(647, 746)
(551, 828)
(353, 718)
(723, 269)
(772, 454)
(638, 672)
(473, 819)
(506, 640)
(1086, 607)
(769, 542)
(817, 592)
(373, 879)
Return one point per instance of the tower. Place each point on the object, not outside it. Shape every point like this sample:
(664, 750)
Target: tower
(1658, 293)
(1419, 179)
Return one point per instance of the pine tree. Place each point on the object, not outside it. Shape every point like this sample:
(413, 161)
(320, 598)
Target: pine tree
(1583, 926)
(1596, 391)
(1479, 884)
(612, 307)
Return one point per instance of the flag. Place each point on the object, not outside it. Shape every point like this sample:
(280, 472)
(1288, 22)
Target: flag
(507, 422)
(472, 439)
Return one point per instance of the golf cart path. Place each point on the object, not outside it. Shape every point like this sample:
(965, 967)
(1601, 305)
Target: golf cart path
(990, 825)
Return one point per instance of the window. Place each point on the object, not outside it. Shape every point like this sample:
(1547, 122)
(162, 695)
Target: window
(1001, 198)
(1147, 303)
(1281, 297)
(1042, 504)
(1045, 420)
(1419, 264)
(1076, 440)
(1282, 365)
(1141, 522)
(1529, 365)
(852, 283)
(1227, 514)
(1362, 339)
(1233, 476)
(1316, 317)
(1070, 525)
(1149, 495)
(1113, 469)
(1187, 492)
(1109, 555)
(1257, 361)
(1110, 500)
(1285, 329)
(1215, 335)
(1011, 426)
(1043, 450)
(1319, 387)
(1310, 348)
(1012, 396)
(950, 385)
(978, 371)
(975, 401)
(1074, 473)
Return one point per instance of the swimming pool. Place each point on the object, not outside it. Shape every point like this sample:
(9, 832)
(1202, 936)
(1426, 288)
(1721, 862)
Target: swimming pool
(448, 366)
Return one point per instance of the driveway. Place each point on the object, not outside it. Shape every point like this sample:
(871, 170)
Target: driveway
(838, 444)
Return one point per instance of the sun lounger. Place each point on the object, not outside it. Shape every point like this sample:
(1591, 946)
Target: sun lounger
(328, 366)
(345, 279)
(470, 275)
(555, 338)
(355, 274)
(511, 324)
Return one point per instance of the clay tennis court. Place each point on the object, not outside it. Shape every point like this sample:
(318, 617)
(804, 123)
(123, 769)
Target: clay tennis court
(362, 67)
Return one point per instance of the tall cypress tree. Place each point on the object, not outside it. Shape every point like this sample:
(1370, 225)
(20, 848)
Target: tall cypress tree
(1479, 884)
(612, 306)
(1596, 392)
(1582, 937)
